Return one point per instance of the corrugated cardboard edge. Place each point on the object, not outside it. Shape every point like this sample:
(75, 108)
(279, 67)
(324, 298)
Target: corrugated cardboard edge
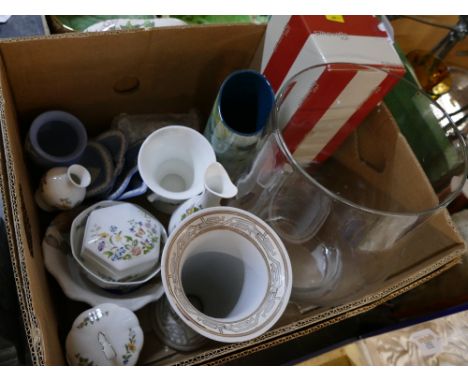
(30, 321)
(74, 35)
(319, 321)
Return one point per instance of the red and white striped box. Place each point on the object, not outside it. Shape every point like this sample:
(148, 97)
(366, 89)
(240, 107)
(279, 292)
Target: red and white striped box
(324, 106)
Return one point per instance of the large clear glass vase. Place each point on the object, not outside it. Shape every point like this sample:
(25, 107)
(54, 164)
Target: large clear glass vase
(347, 220)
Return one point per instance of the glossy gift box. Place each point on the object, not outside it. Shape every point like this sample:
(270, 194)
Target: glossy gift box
(326, 107)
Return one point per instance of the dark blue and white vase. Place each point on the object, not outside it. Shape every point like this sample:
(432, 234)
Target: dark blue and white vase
(238, 119)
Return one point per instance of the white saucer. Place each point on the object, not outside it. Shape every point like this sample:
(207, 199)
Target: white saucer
(60, 263)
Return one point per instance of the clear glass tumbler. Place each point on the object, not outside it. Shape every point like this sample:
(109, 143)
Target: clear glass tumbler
(346, 220)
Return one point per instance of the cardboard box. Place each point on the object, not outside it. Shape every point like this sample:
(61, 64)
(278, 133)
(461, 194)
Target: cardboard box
(328, 103)
(176, 69)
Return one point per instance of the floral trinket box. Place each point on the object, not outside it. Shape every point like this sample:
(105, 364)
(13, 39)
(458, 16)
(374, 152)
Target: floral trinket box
(106, 335)
(121, 242)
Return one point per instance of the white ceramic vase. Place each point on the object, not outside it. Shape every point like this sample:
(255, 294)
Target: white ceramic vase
(218, 186)
(63, 188)
(226, 274)
(172, 162)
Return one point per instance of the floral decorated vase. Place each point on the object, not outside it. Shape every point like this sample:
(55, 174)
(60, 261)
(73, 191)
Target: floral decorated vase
(62, 188)
(218, 186)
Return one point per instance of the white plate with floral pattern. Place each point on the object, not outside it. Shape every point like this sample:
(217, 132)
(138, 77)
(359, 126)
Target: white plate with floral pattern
(61, 264)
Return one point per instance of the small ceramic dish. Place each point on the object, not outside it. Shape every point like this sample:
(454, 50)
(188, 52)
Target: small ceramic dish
(77, 233)
(98, 160)
(115, 286)
(106, 335)
(135, 187)
(129, 183)
(121, 242)
(130, 186)
(60, 263)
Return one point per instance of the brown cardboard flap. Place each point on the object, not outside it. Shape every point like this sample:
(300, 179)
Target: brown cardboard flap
(379, 153)
(39, 319)
(7, 214)
(176, 69)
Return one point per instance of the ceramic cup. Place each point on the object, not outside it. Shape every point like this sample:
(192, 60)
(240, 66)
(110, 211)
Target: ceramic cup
(172, 162)
(236, 269)
(56, 138)
(238, 119)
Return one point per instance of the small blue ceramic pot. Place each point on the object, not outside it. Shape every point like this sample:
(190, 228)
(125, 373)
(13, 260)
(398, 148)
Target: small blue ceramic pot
(56, 138)
(238, 119)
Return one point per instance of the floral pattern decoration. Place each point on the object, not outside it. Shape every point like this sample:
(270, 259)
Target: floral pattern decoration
(91, 319)
(130, 347)
(65, 203)
(116, 246)
(83, 361)
(190, 211)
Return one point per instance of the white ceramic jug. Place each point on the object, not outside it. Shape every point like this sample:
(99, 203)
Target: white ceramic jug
(218, 186)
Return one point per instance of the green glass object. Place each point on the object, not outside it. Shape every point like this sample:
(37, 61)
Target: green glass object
(414, 115)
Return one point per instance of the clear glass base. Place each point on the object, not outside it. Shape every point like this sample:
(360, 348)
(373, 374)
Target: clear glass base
(315, 272)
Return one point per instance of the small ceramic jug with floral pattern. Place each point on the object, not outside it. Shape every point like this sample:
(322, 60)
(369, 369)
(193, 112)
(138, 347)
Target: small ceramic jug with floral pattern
(218, 186)
(62, 188)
